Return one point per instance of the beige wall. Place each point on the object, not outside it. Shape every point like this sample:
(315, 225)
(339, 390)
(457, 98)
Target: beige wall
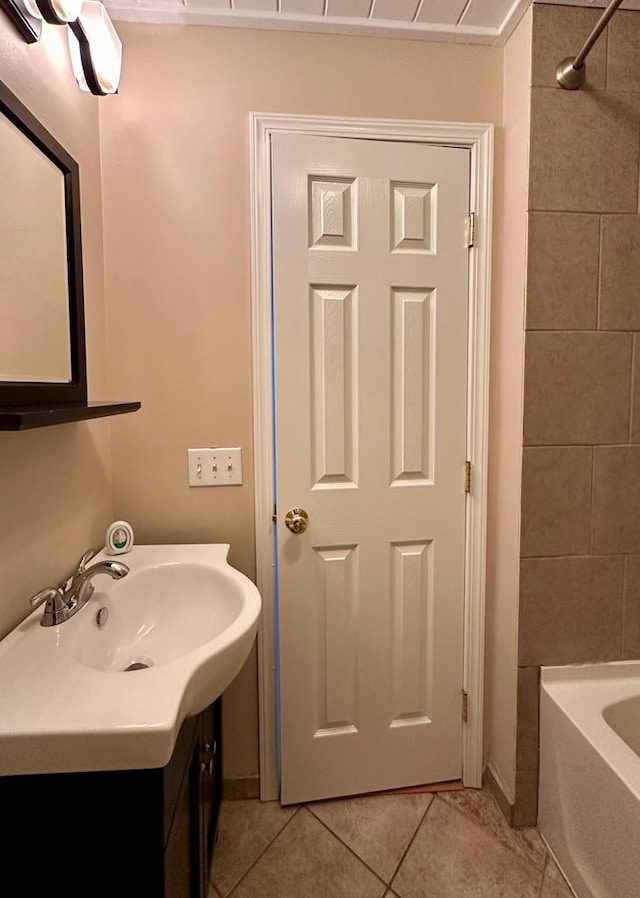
(505, 434)
(579, 587)
(55, 483)
(176, 184)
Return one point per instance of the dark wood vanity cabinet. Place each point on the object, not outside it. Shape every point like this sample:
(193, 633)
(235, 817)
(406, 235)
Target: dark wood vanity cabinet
(120, 833)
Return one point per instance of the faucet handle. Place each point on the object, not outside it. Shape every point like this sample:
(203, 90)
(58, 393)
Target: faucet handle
(45, 595)
(69, 582)
(86, 558)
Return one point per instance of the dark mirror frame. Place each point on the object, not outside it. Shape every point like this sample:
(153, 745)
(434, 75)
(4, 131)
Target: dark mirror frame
(18, 394)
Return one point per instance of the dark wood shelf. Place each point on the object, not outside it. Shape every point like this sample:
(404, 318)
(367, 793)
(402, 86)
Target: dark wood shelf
(28, 416)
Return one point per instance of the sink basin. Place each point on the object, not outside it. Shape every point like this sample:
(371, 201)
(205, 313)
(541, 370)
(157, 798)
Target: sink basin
(80, 696)
(159, 612)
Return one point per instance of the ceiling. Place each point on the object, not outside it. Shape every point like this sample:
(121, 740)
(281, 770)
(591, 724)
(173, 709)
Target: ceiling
(466, 21)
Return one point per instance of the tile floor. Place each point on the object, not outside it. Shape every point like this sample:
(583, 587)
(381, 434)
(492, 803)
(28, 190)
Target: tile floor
(412, 845)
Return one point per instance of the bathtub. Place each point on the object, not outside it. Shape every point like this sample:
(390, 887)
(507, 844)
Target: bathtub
(589, 798)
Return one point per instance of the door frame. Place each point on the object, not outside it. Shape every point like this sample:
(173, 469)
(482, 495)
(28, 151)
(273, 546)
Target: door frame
(478, 138)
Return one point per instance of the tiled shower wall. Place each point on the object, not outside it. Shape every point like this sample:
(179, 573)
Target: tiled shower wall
(580, 537)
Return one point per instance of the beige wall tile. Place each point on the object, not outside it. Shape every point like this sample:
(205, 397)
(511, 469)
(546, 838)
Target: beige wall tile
(556, 501)
(525, 806)
(528, 718)
(620, 273)
(562, 271)
(584, 151)
(635, 407)
(623, 40)
(570, 610)
(559, 32)
(577, 388)
(616, 500)
(631, 608)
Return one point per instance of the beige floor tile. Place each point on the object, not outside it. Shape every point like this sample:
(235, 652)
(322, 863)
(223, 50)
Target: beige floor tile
(377, 827)
(553, 883)
(244, 831)
(479, 805)
(307, 860)
(454, 856)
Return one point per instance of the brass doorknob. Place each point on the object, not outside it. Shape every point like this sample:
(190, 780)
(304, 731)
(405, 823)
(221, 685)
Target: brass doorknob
(297, 520)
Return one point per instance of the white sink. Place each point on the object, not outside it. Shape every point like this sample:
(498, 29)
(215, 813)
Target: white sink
(182, 617)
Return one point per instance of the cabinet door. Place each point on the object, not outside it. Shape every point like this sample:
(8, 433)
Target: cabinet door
(211, 780)
(181, 857)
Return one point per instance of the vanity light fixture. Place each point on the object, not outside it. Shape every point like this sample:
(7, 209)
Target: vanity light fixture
(25, 15)
(96, 49)
(59, 12)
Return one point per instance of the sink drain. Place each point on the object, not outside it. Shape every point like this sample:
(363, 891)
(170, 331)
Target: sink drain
(139, 664)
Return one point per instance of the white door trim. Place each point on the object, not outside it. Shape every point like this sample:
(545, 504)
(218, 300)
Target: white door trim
(478, 138)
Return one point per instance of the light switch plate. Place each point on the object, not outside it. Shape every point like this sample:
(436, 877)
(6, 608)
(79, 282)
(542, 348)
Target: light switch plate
(215, 467)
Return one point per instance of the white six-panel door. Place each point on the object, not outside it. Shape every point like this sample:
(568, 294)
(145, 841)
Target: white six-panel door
(370, 323)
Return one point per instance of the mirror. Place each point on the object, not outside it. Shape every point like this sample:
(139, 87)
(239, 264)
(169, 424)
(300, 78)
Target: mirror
(34, 294)
(42, 350)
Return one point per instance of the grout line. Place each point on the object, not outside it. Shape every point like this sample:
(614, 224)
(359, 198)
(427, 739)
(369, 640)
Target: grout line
(544, 870)
(638, 174)
(606, 55)
(598, 555)
(412, 840)
(591, 502)
(581, 446)
(599, 275)
(349, 849)
(632, 384)
(583, 330)
(620, 212)
(264, 850)
(623, 616)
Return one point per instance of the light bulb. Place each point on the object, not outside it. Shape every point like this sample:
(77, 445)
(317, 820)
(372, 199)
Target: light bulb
(58, 12)
(96, 50)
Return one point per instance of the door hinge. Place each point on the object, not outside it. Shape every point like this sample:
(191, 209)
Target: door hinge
(465, 706)
(467, 477)
(471, 230)
(274, 516)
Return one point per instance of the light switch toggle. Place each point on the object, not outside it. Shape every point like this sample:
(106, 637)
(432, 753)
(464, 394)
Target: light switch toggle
(216, 466)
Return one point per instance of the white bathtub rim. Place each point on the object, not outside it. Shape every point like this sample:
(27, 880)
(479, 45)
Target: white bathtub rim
(603, 670)
(600, 685)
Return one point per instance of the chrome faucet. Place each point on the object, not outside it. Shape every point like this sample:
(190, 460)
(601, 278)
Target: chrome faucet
(63, 601)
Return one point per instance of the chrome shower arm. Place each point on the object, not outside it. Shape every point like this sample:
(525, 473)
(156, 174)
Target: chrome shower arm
(570, 73)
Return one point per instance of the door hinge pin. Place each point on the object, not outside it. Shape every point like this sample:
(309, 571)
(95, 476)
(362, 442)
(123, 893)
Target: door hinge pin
(274, 516)
(465, 706)
(471, 230)
(467, 477)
